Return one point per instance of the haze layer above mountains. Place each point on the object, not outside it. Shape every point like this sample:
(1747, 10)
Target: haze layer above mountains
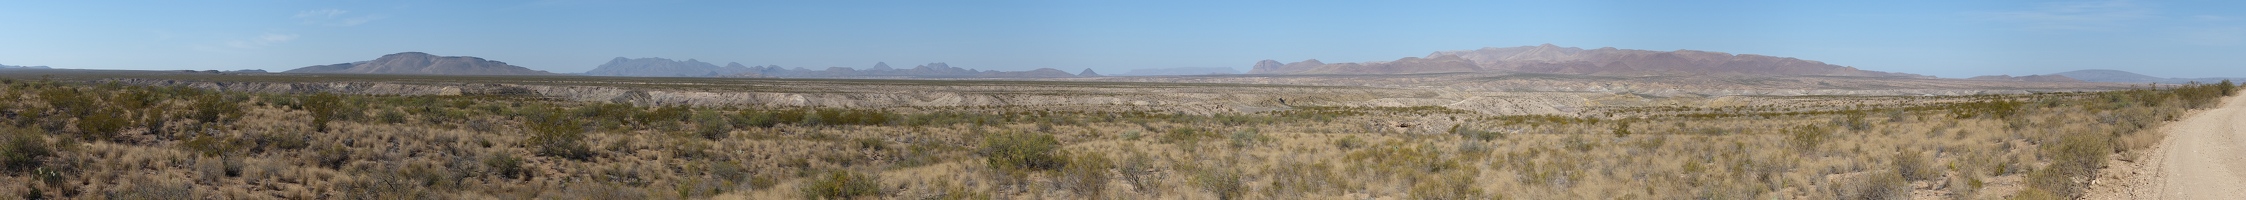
(1542, 59)
(1550, 59)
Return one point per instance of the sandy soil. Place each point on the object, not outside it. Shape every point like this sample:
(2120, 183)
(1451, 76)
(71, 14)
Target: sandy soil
(2204, 157)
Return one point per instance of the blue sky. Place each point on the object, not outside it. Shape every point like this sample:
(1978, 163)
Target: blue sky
(1942, 38)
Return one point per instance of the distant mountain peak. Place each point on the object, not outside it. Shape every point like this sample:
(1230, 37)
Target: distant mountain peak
(663, 67)
(422, 63)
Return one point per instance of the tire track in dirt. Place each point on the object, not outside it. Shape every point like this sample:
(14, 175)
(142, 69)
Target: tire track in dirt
(2204, 157)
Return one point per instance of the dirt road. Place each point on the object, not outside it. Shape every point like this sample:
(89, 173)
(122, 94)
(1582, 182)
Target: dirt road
(2204, 157)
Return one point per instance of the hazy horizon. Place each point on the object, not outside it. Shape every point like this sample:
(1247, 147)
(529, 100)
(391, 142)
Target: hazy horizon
(1947, 39)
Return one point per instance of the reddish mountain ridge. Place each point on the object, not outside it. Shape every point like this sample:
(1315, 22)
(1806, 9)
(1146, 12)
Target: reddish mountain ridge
(1610, 61)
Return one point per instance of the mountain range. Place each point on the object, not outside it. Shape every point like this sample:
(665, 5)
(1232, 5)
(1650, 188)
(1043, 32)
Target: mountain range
(421, 63)
(1609, 61)
(660, 67)
(23, 67)
(2118, 76)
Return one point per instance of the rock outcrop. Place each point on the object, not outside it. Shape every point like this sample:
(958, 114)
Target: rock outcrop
(423, 64)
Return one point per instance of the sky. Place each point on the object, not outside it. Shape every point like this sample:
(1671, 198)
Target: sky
(1943, 38)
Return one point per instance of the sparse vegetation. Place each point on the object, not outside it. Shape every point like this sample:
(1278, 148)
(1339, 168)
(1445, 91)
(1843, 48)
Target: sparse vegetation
(73, 140)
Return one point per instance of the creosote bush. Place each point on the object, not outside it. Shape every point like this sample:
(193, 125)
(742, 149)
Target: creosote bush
(554, 135)
(841, 184)
(22, 150)
(1086, 174)
(1015, 152)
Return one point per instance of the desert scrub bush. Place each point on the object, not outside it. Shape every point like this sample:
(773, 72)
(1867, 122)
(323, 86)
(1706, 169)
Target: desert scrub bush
(216, 108)
(103, 125)
(324, 107)
(1806, 138)
(388, 116)
(1225, 183)
(1086, 174)
(506, 166)
(1349, 142)
(1853, 121)
(1399, 159)
(1621, 128)
(1477, 134)
(1016, 152)
(841, 184)
(1295, 179)
(554, 135)
(1913, 166)
(1187, 135)
(1882, 184)
(2076, 155)
(1249, 137)
(214, 145)
(1138, 170)
(23, 149)
(710, 125)
(1457, 184)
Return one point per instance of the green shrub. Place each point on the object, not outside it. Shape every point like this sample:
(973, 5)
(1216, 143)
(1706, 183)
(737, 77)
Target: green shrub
(1807, 137)
(710, 125)
(872, 144)
(1223, 182)
(23, 150)
(213, 145)
(1622, 129)
(1349, 142)
(506, 165)
(1250, 137)
(1457, 185)
(1880, 185)
(554, 135)
(1014, 152)
(1186, 135)
(279, 141)
(324, 107)
(841, 185)
(1477, 134)
(103, 125)
(2076, 155)
(215, 108)
(390, 117)
(1086, 174)
(1138, 170)
(1914, 166)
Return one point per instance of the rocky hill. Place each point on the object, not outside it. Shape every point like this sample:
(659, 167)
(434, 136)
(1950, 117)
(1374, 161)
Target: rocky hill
(661, 67)
(1550, 59)
(421, 63)
(2118, 76)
